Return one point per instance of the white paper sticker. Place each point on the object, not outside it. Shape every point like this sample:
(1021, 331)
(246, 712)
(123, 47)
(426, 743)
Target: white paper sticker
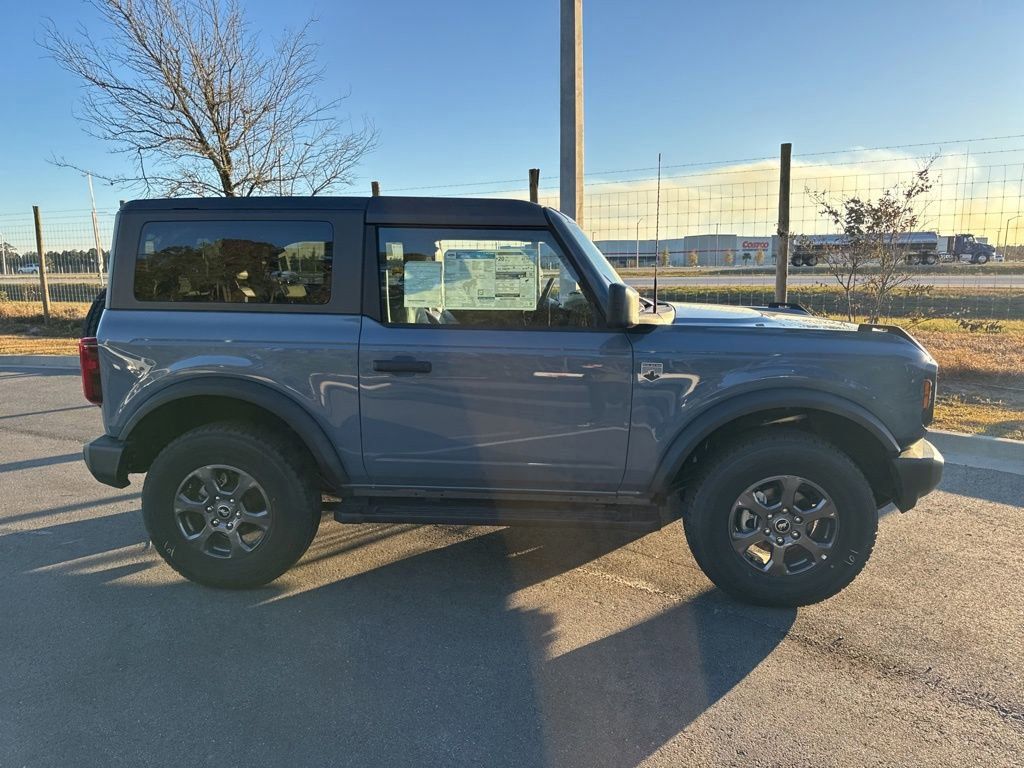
(423, 287)
(477, 279)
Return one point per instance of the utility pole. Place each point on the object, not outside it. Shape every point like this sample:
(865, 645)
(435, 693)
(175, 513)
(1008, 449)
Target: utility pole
(534, 185)
(96, 231)
(3, 255)
(375, 188)
(782, 257)
(570, 179)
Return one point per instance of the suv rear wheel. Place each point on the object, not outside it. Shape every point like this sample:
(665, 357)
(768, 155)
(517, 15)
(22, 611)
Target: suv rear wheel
(229, 506)
(781, 518)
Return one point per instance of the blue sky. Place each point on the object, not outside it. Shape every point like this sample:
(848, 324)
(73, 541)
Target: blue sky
(466, 91)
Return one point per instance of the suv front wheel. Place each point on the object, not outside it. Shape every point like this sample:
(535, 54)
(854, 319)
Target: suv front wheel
(229, 506)
(781, 518)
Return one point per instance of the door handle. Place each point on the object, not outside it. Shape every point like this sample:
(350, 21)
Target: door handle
(402, 365)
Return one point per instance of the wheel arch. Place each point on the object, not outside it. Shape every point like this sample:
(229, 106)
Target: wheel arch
(178, 407)
(847, 425)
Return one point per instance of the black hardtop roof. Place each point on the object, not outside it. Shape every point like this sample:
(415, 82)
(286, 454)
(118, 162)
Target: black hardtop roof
(379, 210)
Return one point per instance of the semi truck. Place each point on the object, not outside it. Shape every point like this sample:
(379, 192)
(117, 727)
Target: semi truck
(920, 248)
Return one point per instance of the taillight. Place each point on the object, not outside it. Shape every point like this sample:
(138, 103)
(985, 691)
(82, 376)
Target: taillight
(89, 358)
(926, 394)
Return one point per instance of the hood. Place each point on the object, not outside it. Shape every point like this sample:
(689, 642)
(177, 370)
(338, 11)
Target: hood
(727, 316)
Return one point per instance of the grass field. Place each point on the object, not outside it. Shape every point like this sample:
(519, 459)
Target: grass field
(992, 268)
(1001, 303)
(981, 375)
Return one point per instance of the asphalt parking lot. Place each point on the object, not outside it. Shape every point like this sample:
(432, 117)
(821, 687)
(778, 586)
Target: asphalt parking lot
(396, 645)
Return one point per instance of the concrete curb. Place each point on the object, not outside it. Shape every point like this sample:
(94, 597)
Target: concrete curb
(979, 451)
(52, 362)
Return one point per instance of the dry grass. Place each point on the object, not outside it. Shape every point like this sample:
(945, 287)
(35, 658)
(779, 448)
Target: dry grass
(994, 358)
(37, 345)
(978, 416)
(22, 327)
(22, 331)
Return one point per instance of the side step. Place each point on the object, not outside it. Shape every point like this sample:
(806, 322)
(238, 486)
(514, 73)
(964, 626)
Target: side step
(453, 512)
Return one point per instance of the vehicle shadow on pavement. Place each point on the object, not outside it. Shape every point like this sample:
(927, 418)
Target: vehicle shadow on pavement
(426, 659)
(987, 484)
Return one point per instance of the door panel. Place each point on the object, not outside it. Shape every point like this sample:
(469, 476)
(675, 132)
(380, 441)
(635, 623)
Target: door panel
(545, 409)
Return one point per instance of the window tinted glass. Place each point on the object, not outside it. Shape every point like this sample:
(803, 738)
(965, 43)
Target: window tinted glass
(478, 278)
(235, 262)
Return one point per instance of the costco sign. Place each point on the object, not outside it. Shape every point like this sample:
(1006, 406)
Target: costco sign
(756, 245)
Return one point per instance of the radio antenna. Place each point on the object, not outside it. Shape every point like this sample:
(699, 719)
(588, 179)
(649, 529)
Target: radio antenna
(657, 222)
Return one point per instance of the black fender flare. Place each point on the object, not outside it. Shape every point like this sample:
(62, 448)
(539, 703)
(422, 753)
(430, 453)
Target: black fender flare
(269, 399)
(747, 403)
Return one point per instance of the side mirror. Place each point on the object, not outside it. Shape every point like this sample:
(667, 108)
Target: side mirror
(623, 306)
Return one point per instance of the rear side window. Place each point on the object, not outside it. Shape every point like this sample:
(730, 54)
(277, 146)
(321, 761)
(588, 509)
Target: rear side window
(235, 262)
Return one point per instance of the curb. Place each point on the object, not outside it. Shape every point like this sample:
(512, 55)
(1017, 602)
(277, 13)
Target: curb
(52, 362)
(980, 451)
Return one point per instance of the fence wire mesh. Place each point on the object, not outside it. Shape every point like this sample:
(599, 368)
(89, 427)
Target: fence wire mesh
(713, 233)
(74, 273)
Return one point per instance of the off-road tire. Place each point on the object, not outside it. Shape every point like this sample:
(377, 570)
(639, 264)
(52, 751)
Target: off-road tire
(92, 317)
(288, 478)
(767, 453)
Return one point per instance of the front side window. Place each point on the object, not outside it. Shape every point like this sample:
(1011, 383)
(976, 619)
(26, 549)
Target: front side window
(479, 278)
(235, 262)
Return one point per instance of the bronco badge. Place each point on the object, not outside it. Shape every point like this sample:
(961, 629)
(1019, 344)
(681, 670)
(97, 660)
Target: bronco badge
(651, 371)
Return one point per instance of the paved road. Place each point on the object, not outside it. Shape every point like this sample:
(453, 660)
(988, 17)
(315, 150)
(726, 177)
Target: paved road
(442, 646)
(965, 280)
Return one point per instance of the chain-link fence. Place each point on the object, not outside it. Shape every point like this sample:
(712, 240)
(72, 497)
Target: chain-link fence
(711, 229)
(73, 271)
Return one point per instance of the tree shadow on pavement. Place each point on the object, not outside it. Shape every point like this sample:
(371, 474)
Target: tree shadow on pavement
(424, 660)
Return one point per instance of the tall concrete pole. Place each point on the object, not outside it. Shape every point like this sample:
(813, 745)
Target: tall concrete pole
(782, 254)
(570, 178)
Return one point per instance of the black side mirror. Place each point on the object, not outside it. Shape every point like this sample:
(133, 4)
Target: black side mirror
(623, 306)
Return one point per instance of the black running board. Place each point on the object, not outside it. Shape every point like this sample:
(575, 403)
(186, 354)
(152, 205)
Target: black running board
(398, 510)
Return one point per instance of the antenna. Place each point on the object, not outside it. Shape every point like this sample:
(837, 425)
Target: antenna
(657, 222)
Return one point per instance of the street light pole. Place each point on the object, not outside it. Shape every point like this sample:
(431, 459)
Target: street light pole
(638, 242)
(1006, 232)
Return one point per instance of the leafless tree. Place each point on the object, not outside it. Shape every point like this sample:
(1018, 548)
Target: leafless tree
(195, 99)
(869, 261)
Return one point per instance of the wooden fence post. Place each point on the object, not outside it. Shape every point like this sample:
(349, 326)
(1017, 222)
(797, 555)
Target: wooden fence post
(375, 188)
(42, 263)
(534, 184)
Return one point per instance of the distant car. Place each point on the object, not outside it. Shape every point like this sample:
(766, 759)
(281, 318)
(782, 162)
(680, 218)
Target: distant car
(29, 269)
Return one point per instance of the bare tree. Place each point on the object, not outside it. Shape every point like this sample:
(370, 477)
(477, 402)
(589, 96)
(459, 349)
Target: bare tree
(188, 92)
(869, 259)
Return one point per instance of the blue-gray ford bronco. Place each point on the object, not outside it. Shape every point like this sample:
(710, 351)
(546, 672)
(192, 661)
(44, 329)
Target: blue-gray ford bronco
(416, 360)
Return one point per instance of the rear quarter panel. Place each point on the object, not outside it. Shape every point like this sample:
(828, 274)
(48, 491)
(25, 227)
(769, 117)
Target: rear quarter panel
(309, 358)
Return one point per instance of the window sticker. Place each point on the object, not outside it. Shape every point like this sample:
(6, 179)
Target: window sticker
(423, 284)
(489, 279)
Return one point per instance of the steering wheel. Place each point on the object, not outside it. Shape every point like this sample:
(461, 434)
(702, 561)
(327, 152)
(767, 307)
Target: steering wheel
(545, 293)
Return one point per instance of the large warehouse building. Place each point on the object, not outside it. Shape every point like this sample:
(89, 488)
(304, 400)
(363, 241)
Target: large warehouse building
(720, 250)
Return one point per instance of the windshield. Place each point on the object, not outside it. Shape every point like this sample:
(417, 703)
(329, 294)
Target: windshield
(601, 264)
